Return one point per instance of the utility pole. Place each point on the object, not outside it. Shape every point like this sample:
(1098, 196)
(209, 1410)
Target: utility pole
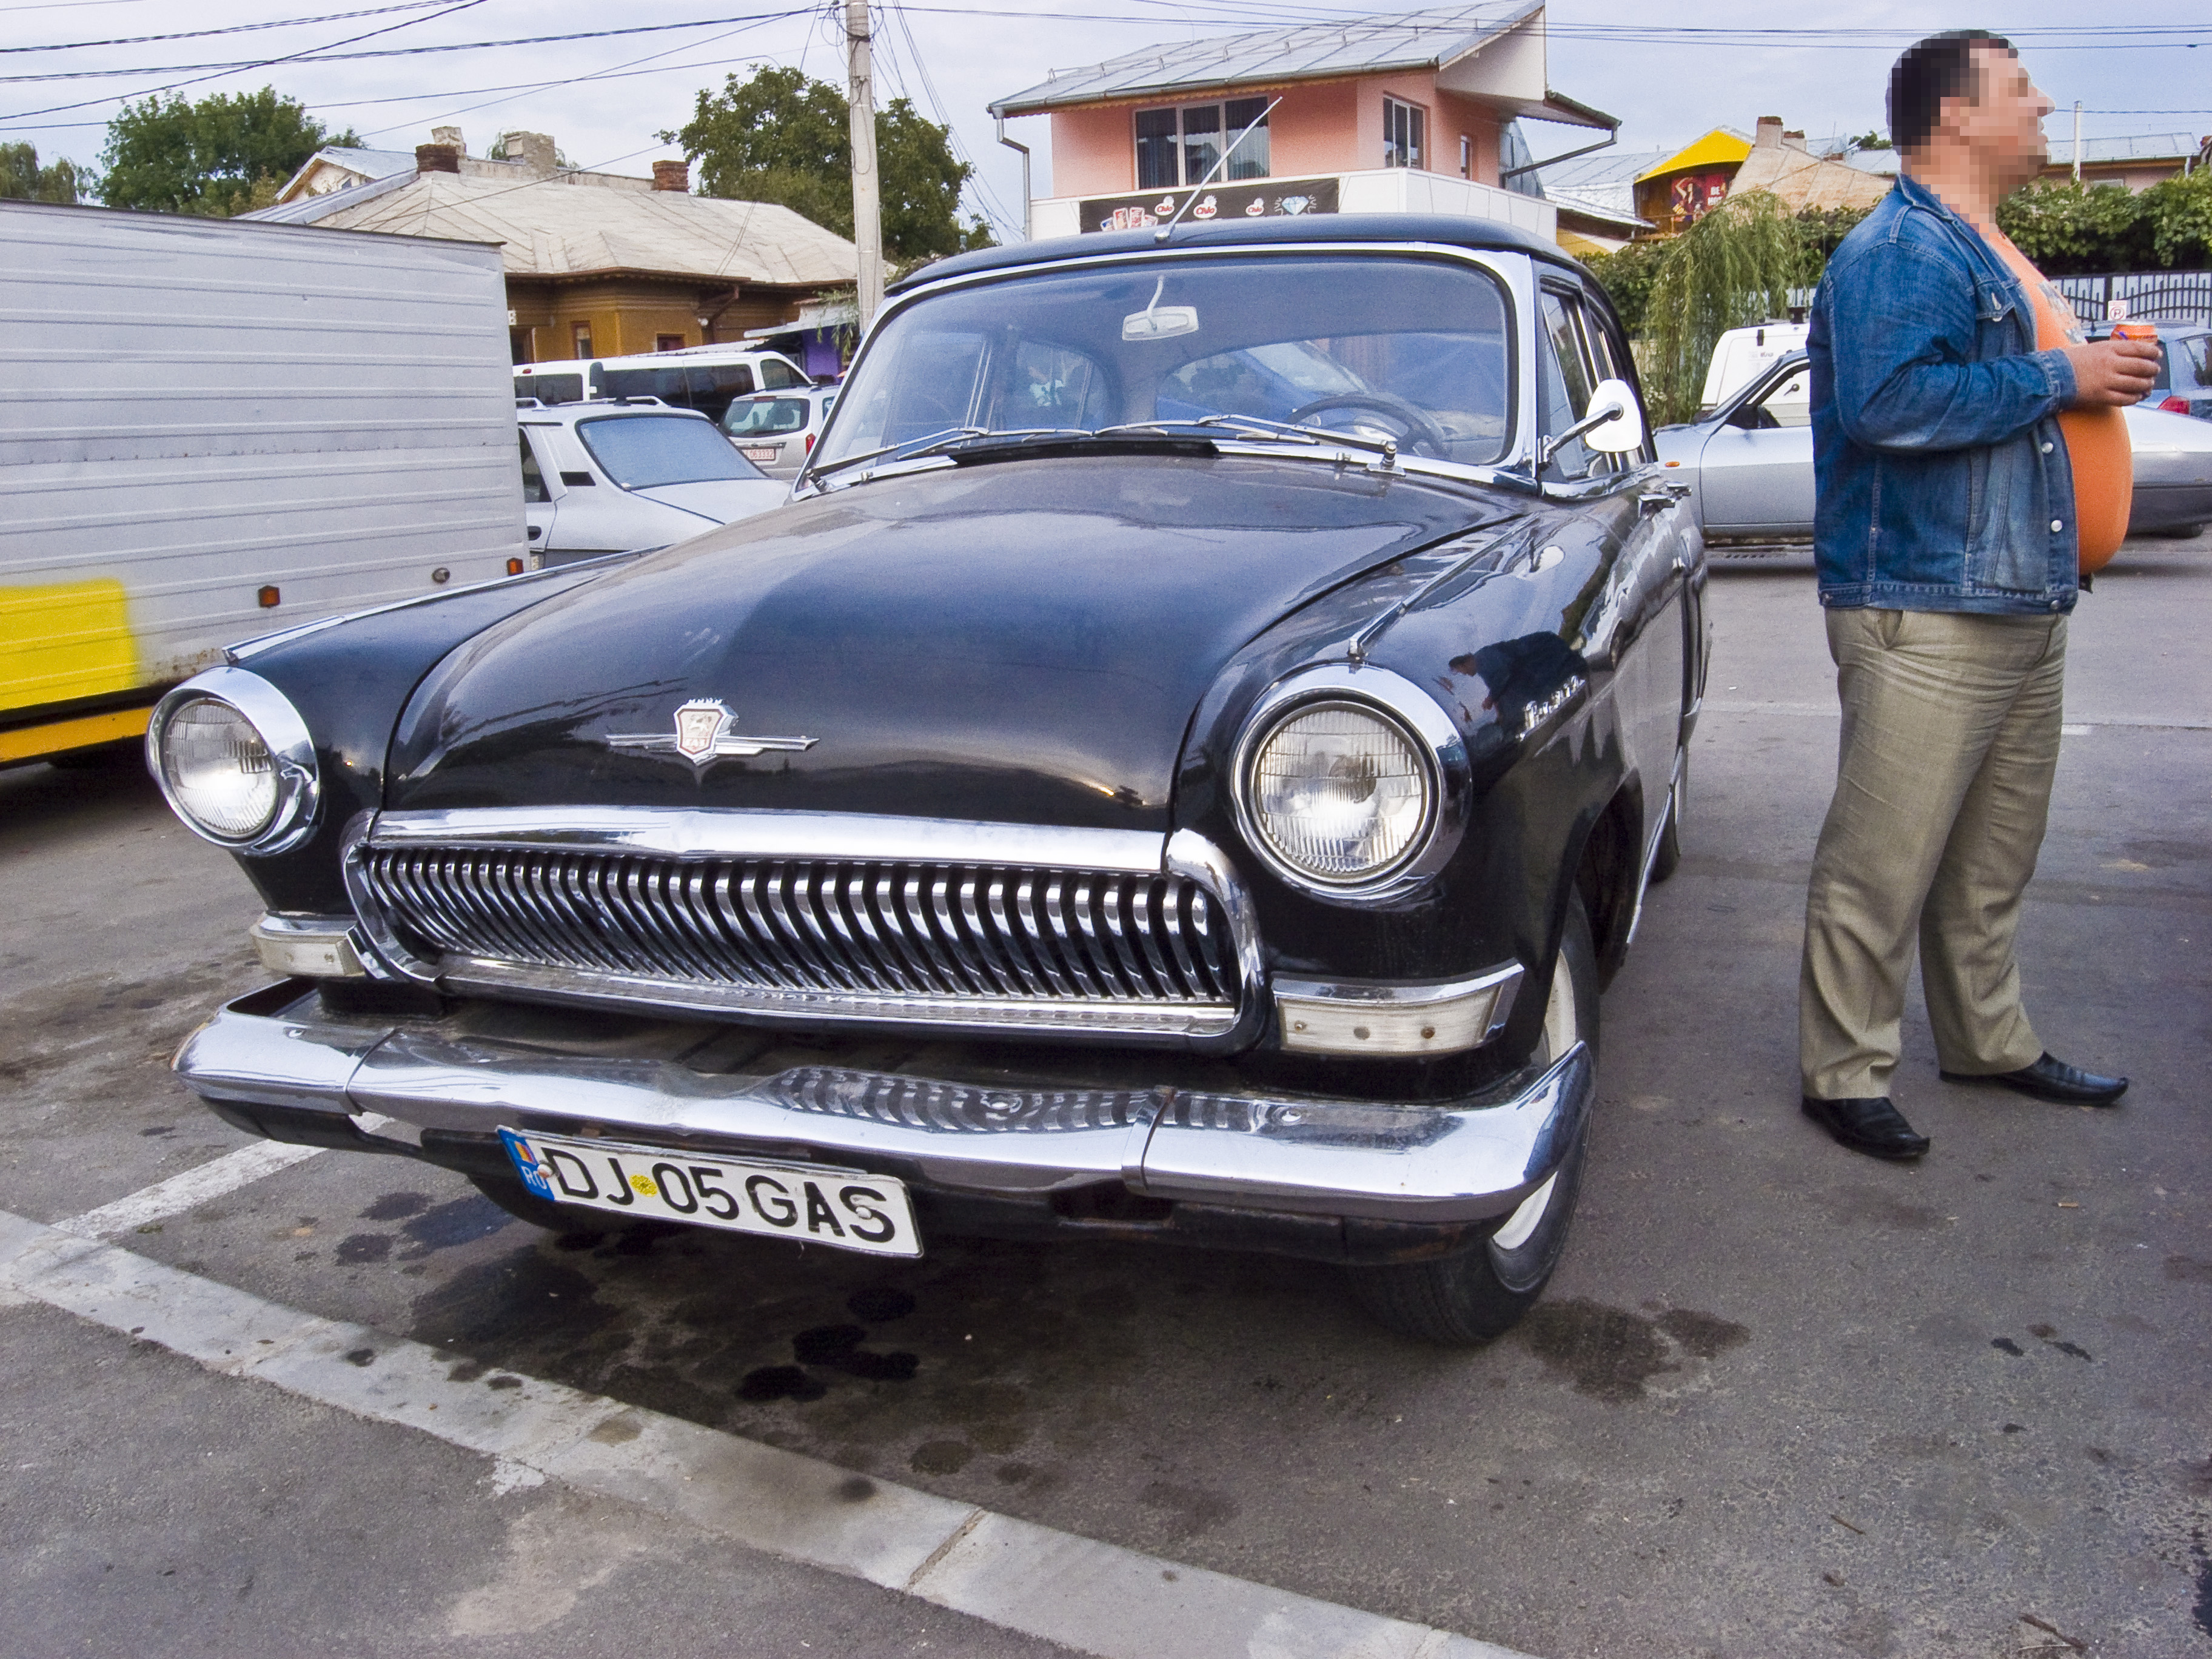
(867, 205)
(2077, 141)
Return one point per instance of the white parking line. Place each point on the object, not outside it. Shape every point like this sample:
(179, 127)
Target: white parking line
(1096, 1598)
(184, 1192)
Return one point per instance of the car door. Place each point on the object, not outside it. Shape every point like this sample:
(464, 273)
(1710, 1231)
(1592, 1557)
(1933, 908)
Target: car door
(1638, 615)
(539, 507)
(1755, 476)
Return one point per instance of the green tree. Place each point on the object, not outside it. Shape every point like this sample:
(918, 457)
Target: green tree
(2179, 211)
(1626, 275)
(1736, 266)
(207, 157)
(1820, 231)
(2068, 229)
(23, 179)
(780, 136)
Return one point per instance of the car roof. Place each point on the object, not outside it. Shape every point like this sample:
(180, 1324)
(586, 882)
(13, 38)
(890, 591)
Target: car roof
(599, 409)
(1455, 230)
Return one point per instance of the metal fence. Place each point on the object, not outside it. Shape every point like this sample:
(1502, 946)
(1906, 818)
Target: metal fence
(2169, 296)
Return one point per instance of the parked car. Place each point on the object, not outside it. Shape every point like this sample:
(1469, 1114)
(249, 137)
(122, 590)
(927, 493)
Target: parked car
(1062, 820)
(601, 477)
(1750, 463)
(2184, 370)
(776, 431)
(1741, 355)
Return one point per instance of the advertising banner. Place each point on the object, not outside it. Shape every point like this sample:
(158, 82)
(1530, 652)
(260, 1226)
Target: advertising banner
(1251, 199)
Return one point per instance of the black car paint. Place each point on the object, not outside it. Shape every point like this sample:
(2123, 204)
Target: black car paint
(960, 651)
(345, 679)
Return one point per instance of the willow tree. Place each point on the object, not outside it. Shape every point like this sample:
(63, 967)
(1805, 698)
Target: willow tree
(1734, 266)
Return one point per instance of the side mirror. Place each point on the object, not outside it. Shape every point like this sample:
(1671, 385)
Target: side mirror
(1619, 424)
(1613, 426)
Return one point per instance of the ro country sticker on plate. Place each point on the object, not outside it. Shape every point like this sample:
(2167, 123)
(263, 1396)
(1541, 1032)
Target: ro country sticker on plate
(844, 1209)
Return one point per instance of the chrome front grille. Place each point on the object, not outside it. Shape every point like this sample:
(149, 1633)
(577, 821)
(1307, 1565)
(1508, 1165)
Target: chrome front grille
(961, 945)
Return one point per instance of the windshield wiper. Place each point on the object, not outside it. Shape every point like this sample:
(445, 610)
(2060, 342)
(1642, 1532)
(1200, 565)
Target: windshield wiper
(938, 443)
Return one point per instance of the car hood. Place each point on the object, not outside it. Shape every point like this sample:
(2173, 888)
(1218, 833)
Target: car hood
(719, 501)
(1021, 642)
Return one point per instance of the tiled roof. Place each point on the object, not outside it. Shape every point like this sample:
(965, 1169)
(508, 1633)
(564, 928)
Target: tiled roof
(1304, 51)
(555, 228)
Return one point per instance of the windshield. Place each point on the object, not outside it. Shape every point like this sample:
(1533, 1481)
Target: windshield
(758, 415)
(641, 451)
(1412, 349)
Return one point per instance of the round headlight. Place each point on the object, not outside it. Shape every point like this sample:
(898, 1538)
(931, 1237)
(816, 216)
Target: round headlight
(234, 762)
(1340, 793)
(219, 770)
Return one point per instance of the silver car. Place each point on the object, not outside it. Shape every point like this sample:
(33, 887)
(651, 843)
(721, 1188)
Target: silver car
(619, 478)
(776, 430)
(1750, 464)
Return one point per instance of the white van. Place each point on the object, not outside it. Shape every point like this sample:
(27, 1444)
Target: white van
(706, 378)
(1741, 355)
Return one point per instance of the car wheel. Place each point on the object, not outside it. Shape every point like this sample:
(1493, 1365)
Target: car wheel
(1471, 1296)
(1665, 862)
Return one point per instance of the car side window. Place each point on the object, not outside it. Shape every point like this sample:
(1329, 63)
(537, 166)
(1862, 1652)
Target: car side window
(775, 374)
(1563, 389)
(534, 480)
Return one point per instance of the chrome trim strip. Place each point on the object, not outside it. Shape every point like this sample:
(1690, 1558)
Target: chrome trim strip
(1651, 848)
(675, 832)
(991, 1014)
(1407, 705)
(1454, 1161)
(245, 650)
(291, 752)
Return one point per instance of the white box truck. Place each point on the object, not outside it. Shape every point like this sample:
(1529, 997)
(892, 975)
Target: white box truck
(215, 428)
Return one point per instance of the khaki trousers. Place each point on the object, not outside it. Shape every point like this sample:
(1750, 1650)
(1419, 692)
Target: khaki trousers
(1950, 741)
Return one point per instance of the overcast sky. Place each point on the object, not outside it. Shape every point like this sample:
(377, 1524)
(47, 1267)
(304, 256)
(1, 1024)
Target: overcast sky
(2132, 66)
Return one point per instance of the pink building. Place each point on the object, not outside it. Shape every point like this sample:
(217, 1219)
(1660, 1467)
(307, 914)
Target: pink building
(1415, 112)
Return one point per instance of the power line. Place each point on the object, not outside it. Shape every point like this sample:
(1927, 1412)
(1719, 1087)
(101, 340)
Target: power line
(232, 28)
(266, 63)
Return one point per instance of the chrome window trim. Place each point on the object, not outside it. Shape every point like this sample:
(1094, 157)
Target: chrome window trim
(1405, 705)
(291, 754)
(678, 834)
(1512, 270)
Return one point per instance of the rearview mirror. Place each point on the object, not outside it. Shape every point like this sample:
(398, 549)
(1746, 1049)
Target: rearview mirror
(1615, 420)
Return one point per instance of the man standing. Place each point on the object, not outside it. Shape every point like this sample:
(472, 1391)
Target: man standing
(1969, 461)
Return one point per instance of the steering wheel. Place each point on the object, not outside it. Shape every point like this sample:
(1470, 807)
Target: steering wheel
(1420, 432)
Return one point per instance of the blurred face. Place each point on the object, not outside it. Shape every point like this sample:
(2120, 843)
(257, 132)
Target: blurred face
(2002, 128)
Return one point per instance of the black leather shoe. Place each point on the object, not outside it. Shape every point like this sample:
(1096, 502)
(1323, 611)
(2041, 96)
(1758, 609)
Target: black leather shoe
(2050, 1078)
(1873, 1125)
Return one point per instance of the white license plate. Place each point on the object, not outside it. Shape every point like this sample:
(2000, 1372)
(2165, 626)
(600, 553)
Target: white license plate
(844, 1209)
(768, 454)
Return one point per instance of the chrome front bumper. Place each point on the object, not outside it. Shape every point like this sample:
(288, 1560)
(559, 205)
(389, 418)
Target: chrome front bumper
(1453, 1162)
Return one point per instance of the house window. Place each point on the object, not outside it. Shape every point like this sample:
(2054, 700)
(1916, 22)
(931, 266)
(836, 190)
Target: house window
(1466, 156)
(668, 343)
(1182, 146)
(583, 335)
(1405, 135)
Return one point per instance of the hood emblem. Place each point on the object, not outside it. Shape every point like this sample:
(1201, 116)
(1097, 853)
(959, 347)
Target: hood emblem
(702, 734)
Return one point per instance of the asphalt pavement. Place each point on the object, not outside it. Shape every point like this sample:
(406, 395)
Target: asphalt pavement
(1779, 1401)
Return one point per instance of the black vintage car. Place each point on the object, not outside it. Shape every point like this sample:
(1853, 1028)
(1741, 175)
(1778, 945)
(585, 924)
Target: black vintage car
(1181, 767)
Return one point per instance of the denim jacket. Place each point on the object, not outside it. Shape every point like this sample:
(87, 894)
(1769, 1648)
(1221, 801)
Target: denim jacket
(1941, 480)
